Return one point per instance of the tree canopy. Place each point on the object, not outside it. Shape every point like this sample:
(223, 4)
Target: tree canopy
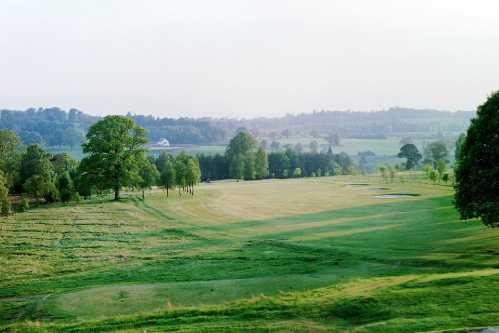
(477, 171)
(411, 153)
(115, 153)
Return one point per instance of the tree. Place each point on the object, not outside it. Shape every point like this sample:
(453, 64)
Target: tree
(31, 138)
(238, 154)
(264, 144)
(382, 170)
(298, 148)
(192, 174)
(433, 176)
(65, 187)
(24, 204)
(236, 167)
(167, 175)
(261, 164)
(333, 139)
(459, 144)
(477, 171)
(37, 174)
(249, 167)
(180, 171)
(446, 177)
(314, 146)
(435, 152)
(63, 163)
(297, 173)
(367, 161)
(4, 195)
(411, 153)
(441, 168)
(10, 145)
(148, 176)
(392, 172)
(73, 137)
(115, 152)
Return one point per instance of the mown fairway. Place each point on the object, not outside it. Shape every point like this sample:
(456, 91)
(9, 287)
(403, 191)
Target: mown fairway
(315, 254)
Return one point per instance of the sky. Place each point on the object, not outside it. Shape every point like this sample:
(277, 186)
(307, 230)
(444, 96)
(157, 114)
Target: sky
(247, 58)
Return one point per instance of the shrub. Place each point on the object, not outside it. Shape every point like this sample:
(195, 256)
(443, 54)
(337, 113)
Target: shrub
(5, 203)
(24, 204)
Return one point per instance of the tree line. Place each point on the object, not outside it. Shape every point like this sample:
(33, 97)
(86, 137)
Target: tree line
(115, 159)
(245, 159)
(55, 127)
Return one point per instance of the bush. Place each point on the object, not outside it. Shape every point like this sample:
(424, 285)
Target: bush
(24, 204)
(5, 203)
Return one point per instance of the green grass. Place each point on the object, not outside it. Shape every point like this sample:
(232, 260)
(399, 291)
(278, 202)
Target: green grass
(326, 256)
(383, 147)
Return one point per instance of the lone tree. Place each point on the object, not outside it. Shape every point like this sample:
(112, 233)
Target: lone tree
(411, 153)
(115, 153)
(477, 171)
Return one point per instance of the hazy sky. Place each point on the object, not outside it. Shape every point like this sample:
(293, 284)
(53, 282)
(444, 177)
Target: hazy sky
(247, 58)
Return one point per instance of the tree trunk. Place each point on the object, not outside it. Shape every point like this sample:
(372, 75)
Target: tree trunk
(117, 194)
(167, 190)
(143, 195)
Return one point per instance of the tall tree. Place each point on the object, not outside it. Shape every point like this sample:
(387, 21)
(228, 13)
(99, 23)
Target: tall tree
(249, 166)
(181, 171)
(435, 152)
(236, 166)
(167, 174)
(192, 174)
(148, 176)
(261, 164)
(411, 153)
(115, 152)
(239, 148)
(10, 156)
(477, 172)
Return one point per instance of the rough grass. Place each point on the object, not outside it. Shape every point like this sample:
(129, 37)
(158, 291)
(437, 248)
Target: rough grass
(305, 255)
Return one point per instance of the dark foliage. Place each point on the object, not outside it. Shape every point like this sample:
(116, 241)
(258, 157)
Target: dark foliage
(477, 171)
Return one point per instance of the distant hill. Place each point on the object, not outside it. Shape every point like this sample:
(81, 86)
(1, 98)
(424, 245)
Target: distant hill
(353, 124)
(57, 127)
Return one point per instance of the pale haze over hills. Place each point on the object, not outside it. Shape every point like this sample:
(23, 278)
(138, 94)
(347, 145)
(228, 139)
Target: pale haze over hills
(247, 58)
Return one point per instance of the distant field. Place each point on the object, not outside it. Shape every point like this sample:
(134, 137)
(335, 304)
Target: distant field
(389, 146)
(384, 147)
(302, 255)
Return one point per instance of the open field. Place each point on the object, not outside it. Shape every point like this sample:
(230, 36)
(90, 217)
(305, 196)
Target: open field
(385, 147)
(301, 255)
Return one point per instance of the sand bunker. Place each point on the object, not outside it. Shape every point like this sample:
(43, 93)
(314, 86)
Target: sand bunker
(396, 195)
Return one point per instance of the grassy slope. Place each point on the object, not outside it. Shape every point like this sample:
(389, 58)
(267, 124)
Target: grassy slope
(308, 254)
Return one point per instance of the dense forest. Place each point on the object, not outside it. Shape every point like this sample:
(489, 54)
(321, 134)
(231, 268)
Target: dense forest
(56, 127)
